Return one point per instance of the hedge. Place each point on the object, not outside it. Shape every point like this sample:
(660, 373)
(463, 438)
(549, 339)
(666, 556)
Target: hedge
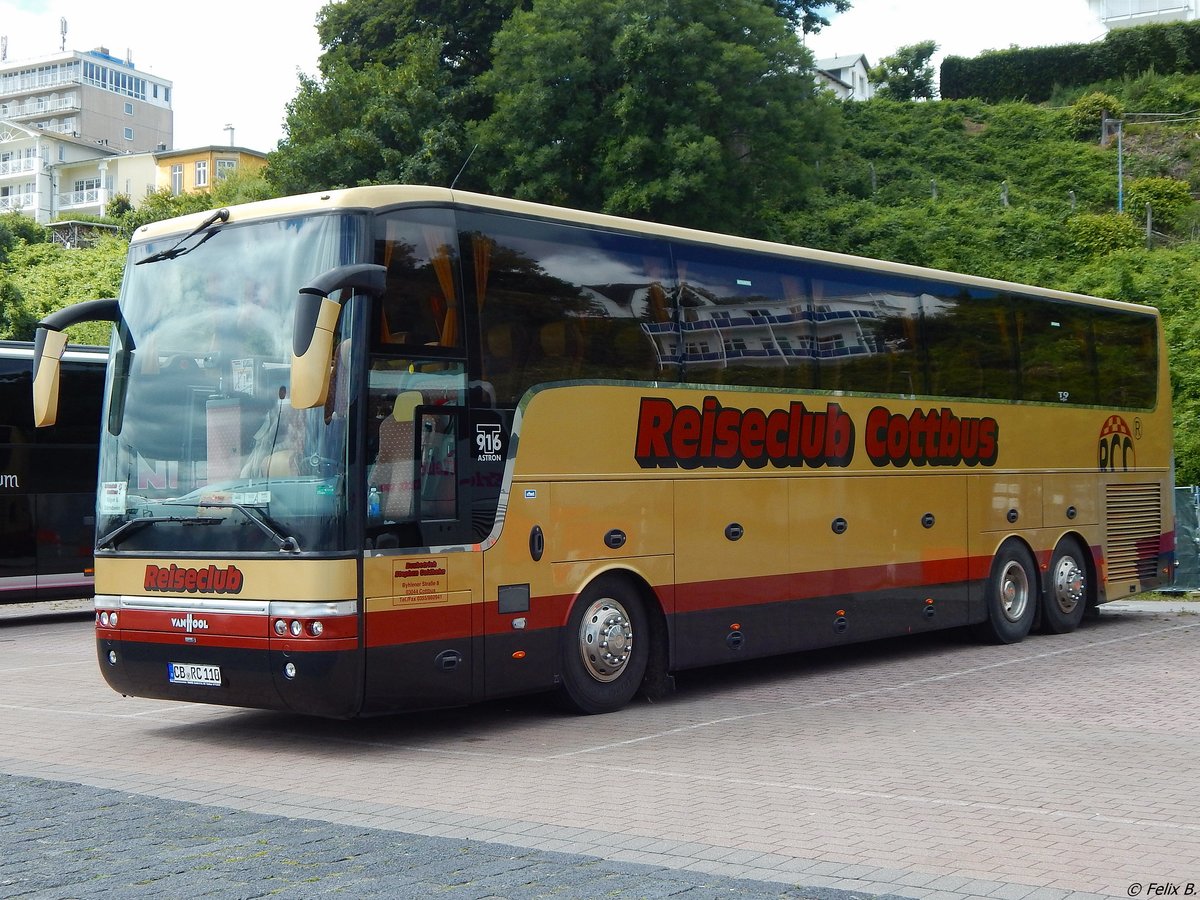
(1032, 74)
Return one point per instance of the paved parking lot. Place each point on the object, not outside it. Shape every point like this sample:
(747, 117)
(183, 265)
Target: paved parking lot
(927, 767)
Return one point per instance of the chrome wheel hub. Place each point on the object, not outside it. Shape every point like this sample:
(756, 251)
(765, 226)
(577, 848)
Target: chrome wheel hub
(605, 639)
(1070, 584)
(1014, 591)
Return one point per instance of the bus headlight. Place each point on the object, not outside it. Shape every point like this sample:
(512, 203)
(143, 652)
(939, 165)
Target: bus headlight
(290, 670)
(316, 629)
(296, 628)
(280, 627)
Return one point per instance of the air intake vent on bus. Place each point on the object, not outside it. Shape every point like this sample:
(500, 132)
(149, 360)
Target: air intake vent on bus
(1134, 517)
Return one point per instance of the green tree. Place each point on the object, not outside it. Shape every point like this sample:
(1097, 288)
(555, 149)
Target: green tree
(808, 15)
(907, 73)
(1089, 111)
(683, 111)
(372, 125)
(396, 87)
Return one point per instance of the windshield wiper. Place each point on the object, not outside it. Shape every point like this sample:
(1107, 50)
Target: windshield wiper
(127, 528)
(271, 529)
(221, 215)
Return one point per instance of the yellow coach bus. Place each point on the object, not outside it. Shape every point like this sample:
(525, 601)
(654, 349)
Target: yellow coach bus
(394, 447)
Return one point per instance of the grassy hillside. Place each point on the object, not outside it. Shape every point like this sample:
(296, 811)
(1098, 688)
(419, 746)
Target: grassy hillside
(1027, 193)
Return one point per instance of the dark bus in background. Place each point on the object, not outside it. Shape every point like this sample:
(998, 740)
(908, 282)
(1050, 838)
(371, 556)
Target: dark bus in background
(48, 478)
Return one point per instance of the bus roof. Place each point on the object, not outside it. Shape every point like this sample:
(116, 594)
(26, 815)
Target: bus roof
(389, 196)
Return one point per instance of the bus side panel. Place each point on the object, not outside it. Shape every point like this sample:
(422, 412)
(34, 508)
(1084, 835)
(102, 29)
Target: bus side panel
(18, 550)
(881, 555)
(732, 557)
(866, 557)
(421, 629)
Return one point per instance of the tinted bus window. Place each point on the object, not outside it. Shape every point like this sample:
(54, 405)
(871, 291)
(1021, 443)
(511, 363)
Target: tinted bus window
(1126, 347)
(971, 341)
(744, 319)
(559, 303)
(868, 332)
(421, 306)
(1057, 363)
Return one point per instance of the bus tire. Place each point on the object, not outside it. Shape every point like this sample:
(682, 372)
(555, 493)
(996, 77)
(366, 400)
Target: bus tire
(1011, 596)
(605, 647)
(1067, 589)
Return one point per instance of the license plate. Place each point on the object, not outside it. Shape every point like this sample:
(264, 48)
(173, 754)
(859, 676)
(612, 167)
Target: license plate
(190, 673)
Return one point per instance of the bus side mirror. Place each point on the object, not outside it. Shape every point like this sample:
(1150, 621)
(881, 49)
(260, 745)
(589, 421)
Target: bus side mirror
(48, 345)
(314, 325)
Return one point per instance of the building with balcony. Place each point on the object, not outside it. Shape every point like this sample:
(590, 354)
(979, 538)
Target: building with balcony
(1126, 13)
(89, 95)
(50, 176)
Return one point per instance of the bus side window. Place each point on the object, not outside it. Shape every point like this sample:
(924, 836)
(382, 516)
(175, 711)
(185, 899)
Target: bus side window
(439, 465)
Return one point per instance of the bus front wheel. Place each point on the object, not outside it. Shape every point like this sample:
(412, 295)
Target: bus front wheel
(1067, 590)
(1012, 595)
(605, 647)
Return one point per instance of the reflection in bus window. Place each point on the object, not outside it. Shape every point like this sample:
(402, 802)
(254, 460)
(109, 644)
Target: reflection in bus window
(561, 303)
(971, 343)
(1057, 362)
(868, 336)
(744, 319)
(1126, 359)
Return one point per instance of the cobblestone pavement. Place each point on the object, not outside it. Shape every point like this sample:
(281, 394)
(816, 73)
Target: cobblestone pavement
(69, 840)
(1061, 768)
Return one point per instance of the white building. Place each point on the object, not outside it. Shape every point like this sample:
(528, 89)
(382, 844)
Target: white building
(846, 76)
(1126, 13)
(89, 95)
(47, 175)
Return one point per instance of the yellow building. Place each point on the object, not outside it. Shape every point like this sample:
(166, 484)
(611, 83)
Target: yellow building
(200, 168)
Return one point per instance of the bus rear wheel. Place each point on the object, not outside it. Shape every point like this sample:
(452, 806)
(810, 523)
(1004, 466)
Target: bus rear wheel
(1012, 595)
(1068, 589)
(605, 647)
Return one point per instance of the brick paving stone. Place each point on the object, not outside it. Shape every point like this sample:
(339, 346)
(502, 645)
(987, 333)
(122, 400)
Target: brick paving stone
(806, 769)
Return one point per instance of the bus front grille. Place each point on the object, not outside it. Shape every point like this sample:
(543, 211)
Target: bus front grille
(1133, 530)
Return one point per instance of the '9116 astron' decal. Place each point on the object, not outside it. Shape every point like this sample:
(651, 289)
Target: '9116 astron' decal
(716, 436)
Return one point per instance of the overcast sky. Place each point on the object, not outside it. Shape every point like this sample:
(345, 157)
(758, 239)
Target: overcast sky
(237, 63)
(877, 28)
(230, 63)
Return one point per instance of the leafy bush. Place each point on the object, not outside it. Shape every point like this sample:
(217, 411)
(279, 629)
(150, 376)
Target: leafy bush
(1170, 200)
(1088, 112)
(1094, 234)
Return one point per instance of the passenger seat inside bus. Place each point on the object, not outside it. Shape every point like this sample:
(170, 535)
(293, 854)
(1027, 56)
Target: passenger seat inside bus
(393, 472)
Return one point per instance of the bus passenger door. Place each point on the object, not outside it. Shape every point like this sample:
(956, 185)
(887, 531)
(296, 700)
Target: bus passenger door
(422, 579)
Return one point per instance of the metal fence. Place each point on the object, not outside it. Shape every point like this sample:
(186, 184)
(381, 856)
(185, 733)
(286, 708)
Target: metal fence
(1187, 539)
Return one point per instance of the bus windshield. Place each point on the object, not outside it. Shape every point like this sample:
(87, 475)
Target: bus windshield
(201, 449)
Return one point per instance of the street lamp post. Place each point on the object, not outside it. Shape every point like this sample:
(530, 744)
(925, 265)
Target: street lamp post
(1119, 125)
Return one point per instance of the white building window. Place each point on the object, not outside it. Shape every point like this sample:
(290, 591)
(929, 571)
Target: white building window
(177, 179)
(128, 108)
(225, 168)
(201, 173)
(129, 134)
